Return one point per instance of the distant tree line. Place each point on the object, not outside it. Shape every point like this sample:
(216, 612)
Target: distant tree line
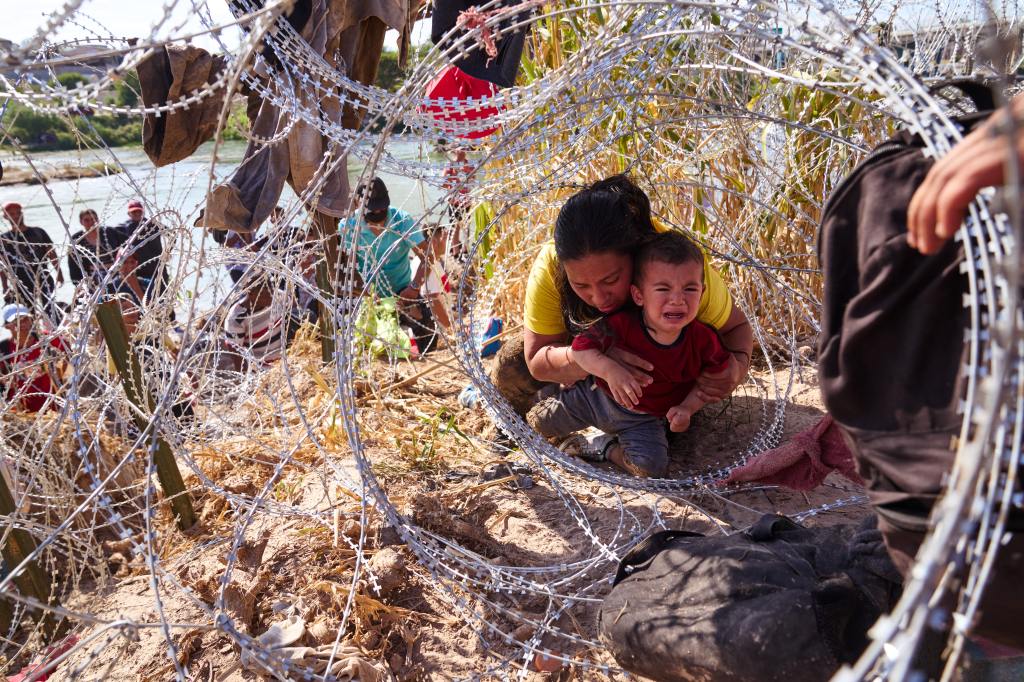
(40, 131)
(76, 128)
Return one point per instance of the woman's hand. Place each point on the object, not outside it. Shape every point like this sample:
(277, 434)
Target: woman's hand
(637, 367)
(712, 388)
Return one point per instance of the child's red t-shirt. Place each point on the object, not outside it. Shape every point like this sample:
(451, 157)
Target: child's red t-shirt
(676, 366)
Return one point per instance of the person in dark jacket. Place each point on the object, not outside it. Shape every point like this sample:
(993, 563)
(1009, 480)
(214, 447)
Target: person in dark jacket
(143, 237)
(24, 254)
(93, 252)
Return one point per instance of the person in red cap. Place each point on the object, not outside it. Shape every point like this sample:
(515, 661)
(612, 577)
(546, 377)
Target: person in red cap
(144, 239)
(24, 253)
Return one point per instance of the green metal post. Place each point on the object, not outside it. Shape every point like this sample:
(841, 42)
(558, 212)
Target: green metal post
(108, 315)
(32, 579)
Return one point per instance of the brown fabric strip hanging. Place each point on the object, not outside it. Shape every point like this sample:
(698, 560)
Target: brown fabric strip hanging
(168, 74)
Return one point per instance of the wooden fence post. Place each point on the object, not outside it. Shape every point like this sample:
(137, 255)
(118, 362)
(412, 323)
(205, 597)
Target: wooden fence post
(326, 318)
(327, 271)
(108, 315)
(32, 580)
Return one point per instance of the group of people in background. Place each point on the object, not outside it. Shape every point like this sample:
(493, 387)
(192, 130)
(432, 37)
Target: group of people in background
(28, 256)
(126, 263)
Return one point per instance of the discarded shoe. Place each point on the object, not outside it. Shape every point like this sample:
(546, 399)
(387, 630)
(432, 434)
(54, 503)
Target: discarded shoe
(504, 470)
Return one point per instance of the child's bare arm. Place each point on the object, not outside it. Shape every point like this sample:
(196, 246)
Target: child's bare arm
(592, 361)
(679, 416)
(625, 388)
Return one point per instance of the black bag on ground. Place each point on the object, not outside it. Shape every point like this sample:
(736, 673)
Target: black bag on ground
(778, 602)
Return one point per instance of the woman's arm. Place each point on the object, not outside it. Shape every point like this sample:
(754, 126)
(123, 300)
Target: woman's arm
(550, 359)
(425, 255)
(738, 338)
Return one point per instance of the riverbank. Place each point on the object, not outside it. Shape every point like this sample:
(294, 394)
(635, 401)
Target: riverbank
(175, 194)
(24, 175)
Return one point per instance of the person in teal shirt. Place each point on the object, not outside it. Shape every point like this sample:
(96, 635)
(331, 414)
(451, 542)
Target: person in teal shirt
(383, 241)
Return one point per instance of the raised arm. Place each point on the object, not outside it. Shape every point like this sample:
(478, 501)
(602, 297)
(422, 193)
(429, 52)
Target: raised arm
(939, 205)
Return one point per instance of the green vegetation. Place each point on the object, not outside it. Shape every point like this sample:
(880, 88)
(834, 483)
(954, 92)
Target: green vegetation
(389, 76)
(74, 129)
(39, 131)
(78, 129)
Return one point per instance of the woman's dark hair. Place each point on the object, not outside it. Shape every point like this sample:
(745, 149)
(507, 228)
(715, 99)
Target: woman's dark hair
(611, 216)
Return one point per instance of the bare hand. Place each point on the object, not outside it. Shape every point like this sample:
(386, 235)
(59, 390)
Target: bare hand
(625, 388)
(678, 418)
(939, 205)
(712, 388)
(637, 367)
(410, 293)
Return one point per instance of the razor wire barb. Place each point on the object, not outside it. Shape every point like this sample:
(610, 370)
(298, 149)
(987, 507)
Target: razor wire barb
(738, 120)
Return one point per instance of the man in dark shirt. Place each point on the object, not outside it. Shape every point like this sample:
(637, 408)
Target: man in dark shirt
(93, 252)
(24, 253)
(144, 239)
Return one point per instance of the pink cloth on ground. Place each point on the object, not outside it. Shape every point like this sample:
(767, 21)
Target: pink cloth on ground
(803, 462)
(31, 671)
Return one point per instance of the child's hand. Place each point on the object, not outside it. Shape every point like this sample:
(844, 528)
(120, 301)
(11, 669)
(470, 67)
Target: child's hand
(625, 388)
(678, 418)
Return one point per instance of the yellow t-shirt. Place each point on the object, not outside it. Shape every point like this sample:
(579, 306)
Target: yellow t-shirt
(542, 313)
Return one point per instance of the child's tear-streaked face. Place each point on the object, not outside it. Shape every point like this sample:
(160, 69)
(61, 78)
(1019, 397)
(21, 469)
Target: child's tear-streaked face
(669, 294)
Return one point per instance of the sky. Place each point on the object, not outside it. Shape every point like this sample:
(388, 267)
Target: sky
(134, 18)
(131, 18)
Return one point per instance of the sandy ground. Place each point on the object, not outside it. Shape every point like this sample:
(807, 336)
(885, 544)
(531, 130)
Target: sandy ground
(289, 562)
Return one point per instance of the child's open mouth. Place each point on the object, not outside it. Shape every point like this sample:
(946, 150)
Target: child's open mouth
(675, 316)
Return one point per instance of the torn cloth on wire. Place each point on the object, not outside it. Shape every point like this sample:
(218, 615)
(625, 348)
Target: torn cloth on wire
(167, 75)
(348, 35)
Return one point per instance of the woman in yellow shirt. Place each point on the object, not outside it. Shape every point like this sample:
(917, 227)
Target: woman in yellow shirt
(584, 274)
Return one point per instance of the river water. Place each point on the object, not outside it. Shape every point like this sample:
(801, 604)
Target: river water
(177, 192)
